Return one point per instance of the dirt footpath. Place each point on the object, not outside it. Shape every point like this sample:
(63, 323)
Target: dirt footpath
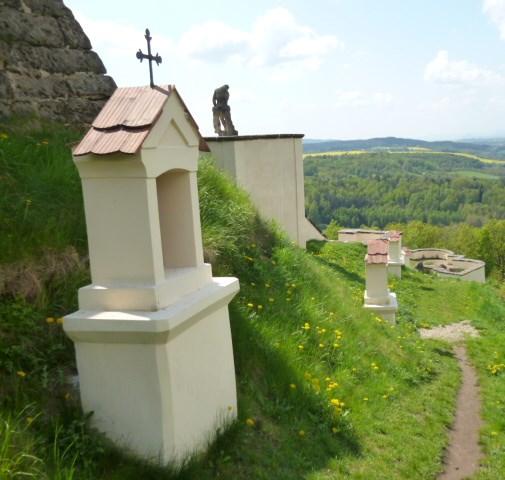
(463, 453)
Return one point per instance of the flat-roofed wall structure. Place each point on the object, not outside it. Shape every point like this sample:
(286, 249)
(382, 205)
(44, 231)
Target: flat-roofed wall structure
(446, 263)
(270, 169)
(360, 235)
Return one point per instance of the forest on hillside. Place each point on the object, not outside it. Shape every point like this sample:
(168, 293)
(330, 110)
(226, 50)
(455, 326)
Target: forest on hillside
(492, 148)
(375, 189)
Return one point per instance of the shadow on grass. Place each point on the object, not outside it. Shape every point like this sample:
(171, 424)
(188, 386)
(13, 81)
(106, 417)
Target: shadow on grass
(351, 276)
(317, 246)
(273, 447)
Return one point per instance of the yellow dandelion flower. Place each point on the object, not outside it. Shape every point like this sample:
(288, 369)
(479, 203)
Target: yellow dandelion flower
(292, 386)
(50, 320)
(250, 305)
(21, 374)
(260, 307)
(59, 321)
(267, 285)
(301, 433)
(306, 326)
(321, 345)
(250, 422)
(271, 300)
(300, 347)
(4, 136)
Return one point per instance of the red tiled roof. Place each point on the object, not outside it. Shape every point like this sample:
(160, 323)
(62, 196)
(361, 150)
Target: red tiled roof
(132, 107)
(377, 251)
(126, 120)
(395, 235)
(103, 142)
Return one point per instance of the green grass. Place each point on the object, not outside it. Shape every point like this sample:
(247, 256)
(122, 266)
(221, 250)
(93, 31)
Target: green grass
(301, 339)
(40, 194)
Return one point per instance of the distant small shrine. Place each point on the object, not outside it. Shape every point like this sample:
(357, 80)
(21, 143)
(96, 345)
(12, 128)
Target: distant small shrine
(377, 296)
(396, 258)
(152, 334)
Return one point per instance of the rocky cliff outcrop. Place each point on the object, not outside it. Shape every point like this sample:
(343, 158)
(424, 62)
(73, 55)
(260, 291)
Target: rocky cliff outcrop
(47, 67)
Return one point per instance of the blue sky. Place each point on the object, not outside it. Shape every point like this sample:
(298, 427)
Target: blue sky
(328, 68)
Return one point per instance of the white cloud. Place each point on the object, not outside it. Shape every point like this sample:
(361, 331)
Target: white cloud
(115, 39)
(213, 41)
(495, 10)
(357, 99)
(275, 38)
(278, 38)
(458, 72)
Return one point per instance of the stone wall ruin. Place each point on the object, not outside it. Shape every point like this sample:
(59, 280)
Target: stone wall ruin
(47, 67)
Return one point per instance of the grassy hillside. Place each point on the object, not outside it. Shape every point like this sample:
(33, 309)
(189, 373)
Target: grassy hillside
(325, 389)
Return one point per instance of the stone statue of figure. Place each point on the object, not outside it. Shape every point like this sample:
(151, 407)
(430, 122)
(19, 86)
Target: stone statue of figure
(223, 125)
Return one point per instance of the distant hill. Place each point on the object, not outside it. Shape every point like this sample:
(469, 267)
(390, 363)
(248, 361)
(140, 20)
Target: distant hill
(493, 149)
(484, 141)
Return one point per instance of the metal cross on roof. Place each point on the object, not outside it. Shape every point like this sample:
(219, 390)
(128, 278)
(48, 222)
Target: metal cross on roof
(152, 58)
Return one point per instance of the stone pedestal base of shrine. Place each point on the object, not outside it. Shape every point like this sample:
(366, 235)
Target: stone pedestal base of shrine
(395, 269)
(386, 307)
(159, 383)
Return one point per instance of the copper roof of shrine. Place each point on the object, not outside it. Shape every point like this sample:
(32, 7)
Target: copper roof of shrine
(125, 121)
(395, 235)
(377, 251)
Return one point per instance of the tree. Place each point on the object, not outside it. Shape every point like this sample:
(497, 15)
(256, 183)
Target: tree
(331, 231)
(493, 246)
